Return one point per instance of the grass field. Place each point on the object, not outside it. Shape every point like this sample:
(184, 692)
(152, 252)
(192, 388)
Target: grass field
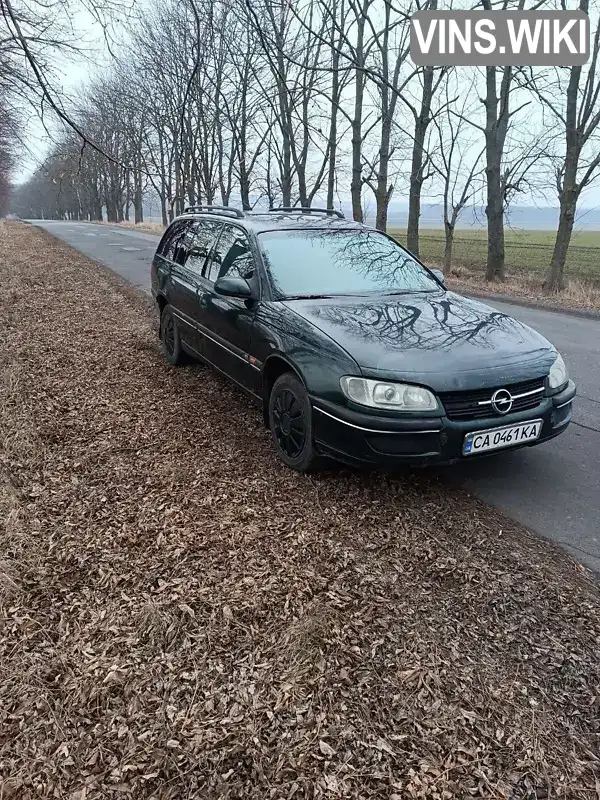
(525, 250)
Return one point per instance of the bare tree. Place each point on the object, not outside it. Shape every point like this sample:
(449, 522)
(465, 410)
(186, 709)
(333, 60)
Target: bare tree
(241, 109)
(338, 14)
(498, 187)
(572, 98)
(391, 43)
(8, 140)
(497, 119)
(423, 115)
(456, 160)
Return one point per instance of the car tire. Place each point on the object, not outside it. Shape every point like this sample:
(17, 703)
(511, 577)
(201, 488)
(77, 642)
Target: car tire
(290, 423)
(169, 336)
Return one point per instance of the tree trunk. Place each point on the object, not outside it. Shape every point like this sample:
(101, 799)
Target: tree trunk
(97, 206)
(285, 120)
(383, 201)
(138, 203)
(384, 193)
(414, 194)
(356, 184)
(495, 216)
(416, 171)
(335, 80)
(570, 190)
(286, 171)
(244, 189)
(449, 229)
(111, 206)
(359, 80)
(555, 278)
(495, 134)
(127, 196)
(173, 210)
(302, 190)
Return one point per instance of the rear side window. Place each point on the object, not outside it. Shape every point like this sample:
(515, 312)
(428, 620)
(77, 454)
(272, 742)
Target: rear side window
(232, 256)
(200, 241)
(168, 247)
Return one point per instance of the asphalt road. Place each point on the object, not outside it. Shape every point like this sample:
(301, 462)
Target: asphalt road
(553, 489)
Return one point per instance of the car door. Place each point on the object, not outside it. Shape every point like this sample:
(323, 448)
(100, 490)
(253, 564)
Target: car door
(227, 321)
(188, 262)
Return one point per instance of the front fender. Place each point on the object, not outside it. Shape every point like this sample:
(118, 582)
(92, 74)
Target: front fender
(319, 360)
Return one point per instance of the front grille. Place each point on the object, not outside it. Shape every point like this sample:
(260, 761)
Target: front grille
(465, 405)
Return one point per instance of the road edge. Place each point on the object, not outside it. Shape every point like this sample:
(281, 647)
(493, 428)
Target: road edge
(583, 313)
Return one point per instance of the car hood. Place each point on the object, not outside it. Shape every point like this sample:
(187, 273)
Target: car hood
(440, 339)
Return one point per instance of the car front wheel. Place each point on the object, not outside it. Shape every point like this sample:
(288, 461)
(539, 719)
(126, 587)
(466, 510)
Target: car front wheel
(290, 421)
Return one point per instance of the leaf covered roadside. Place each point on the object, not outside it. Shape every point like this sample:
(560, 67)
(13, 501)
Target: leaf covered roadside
(182, 617)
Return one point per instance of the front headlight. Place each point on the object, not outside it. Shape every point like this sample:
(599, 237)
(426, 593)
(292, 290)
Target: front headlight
(558, 373)
(383, 394)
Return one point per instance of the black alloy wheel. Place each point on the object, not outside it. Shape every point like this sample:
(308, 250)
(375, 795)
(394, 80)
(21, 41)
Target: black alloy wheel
(290, 421)
(169, 335)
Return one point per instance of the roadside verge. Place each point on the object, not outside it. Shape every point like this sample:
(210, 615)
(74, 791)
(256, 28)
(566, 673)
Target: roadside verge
(524, 302)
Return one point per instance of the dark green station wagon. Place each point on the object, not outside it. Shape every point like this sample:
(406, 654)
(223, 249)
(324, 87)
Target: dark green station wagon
(355, 350)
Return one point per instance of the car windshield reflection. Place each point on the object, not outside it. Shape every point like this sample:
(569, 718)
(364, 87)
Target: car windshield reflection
(325, 263)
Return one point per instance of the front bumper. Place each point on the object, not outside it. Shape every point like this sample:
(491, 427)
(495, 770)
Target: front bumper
(358, 438)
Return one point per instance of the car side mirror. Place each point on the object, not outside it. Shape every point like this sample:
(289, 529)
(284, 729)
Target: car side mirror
(233, 287)
(440, 276)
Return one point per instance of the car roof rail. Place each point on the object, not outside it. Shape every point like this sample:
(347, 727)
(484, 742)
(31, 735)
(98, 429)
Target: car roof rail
(304, 210)
(214, 210)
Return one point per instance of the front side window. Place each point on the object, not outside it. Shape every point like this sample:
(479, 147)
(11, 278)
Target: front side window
(231, 256)
(200, 241)
(169, 246)
(305, 263)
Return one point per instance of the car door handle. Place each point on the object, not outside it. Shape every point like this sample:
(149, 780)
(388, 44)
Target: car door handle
(202, 299)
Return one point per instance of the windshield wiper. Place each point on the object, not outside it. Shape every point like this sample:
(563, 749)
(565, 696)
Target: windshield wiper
(307, 297)
(324, 296)
(412, 291)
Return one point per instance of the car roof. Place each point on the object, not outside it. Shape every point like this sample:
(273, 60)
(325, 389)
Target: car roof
(260, 221)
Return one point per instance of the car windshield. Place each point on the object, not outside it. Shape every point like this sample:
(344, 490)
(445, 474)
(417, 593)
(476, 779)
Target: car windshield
(315, 263)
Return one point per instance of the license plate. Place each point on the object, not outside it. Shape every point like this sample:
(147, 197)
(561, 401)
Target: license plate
(495, 438)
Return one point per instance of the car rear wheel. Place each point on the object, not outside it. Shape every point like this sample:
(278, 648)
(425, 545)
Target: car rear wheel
(290, 421)
(169, 336)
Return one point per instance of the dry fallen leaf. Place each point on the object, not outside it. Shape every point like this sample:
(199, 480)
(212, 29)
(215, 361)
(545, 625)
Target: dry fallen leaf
(326, 749)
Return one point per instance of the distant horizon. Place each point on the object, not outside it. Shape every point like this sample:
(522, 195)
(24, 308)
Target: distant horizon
(543, 219)
(518, 217)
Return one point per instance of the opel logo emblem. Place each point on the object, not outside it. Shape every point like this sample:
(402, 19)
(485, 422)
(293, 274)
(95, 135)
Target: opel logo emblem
(502, 401)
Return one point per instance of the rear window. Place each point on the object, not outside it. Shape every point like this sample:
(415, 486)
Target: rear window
(170, 241)
(330, 262)
(200, 242)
